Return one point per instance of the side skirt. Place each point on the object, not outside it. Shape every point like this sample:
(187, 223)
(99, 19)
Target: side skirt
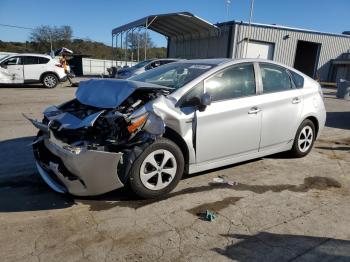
(194, 168)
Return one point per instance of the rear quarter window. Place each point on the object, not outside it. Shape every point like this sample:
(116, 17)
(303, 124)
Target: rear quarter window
(298, 80)
(43, 60)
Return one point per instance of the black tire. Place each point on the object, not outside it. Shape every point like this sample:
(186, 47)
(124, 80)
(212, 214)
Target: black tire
(301, 150)
(49, 80)
(135, 180)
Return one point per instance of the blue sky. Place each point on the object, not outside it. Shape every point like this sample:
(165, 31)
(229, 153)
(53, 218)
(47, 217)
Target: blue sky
(96, 19)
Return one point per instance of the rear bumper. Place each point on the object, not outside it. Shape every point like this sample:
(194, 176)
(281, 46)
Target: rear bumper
(78, 171)
(63, 79)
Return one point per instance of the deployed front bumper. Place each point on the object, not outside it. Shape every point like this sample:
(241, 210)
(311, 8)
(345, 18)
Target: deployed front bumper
(76, 170)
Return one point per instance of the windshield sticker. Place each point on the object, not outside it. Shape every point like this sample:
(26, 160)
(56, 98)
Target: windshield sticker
(202, 67)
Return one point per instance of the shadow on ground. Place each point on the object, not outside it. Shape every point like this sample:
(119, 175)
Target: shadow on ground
(338, 119)
(21, 188)
(271, 247)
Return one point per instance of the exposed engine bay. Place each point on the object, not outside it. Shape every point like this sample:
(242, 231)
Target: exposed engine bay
(109, 128)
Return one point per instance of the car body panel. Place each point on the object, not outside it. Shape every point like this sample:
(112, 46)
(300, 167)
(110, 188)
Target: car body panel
(226, 129)
(279, 108)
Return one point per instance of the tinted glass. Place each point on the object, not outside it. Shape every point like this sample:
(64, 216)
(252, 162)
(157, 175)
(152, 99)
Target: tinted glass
(13, 61)
(236, 81)
(297, 79)
(163, 62)
(30, 60)
(173, 75)
(275, 78)
(43, 60)
(193, 96)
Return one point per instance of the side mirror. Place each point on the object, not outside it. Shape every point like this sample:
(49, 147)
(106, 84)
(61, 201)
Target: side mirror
(3, 65)
(205, 101)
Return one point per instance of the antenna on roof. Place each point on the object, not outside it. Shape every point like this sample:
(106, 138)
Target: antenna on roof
(228, 4)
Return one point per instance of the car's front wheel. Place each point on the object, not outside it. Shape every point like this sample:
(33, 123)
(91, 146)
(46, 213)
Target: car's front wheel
(157, 170)
(304, 139)
(50, 80)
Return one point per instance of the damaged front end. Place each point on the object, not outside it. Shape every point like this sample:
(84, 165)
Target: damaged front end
(87, 145)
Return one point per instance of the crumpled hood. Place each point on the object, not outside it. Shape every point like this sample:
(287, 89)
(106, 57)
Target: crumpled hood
(109, 93)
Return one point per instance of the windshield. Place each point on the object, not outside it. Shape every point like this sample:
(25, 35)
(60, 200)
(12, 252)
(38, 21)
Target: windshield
(141, 64)
(3, 57)
(174, 75)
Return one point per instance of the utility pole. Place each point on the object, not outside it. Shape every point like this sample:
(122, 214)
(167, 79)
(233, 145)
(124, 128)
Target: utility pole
(228, 3)
(249, 26)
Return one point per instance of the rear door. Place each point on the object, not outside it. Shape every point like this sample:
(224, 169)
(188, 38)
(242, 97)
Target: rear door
(230, 126)
(281, 105)
(32, 68)
(12, 70)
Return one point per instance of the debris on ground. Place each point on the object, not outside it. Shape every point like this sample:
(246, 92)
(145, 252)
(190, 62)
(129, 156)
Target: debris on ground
(209, 215)
(224, 180)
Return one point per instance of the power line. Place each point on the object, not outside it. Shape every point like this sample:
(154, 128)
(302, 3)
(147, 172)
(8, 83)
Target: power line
(15, 26)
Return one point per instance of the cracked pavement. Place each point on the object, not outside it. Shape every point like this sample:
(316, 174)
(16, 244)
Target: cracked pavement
(280, 209)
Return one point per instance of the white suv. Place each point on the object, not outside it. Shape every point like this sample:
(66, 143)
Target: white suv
(31, 68)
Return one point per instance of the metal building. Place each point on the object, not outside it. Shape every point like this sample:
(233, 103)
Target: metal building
(191, 37)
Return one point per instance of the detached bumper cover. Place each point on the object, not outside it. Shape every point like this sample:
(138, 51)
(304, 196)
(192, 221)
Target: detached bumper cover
(77, 170)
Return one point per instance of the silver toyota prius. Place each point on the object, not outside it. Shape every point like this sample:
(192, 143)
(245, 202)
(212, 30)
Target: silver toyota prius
(183, 117)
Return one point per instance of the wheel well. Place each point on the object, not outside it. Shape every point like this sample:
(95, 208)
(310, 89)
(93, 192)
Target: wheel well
(315, 122)
(43, 74)
(180, 142)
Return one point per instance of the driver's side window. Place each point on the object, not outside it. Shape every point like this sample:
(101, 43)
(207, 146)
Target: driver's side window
(13, 61)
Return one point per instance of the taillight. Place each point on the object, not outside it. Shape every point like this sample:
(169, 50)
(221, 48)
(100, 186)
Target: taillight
(59, 65)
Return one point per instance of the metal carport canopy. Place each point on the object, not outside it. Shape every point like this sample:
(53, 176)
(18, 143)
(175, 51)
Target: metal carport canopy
(170, 25)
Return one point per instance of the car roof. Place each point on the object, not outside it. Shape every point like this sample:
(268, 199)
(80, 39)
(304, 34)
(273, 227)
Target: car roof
(209, 61)
(221, 61)
(30, 54)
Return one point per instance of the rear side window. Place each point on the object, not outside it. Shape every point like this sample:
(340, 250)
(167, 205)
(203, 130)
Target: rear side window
(234, 82)
(275, 78)
(30, 60)
(43, 60)
(297, 79)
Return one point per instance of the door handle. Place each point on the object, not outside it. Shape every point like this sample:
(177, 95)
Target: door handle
(296, 100)
(254, 110)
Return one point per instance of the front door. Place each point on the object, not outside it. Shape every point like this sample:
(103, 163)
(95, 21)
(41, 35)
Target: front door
(281, 106)
(12, 70)
(230, 126)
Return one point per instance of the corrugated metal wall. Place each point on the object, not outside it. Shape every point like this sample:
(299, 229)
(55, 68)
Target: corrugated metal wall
(213, 45)
(222, 45)
(285, 48)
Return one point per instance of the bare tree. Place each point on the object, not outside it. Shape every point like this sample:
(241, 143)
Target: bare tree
(43, 36)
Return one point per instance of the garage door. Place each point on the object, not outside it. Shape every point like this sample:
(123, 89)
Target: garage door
(259, 50)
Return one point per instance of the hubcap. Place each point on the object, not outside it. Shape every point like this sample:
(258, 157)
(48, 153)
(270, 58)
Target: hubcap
(50, 81)
(305, 139)
(158, 169)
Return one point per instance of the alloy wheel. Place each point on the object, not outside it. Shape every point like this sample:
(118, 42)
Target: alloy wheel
(305, 139)
(50, 81)
(158, 169)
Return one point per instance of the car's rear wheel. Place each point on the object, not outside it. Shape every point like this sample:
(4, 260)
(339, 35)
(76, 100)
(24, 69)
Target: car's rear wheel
(50, 80)
(157, 170)
(304, 139)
